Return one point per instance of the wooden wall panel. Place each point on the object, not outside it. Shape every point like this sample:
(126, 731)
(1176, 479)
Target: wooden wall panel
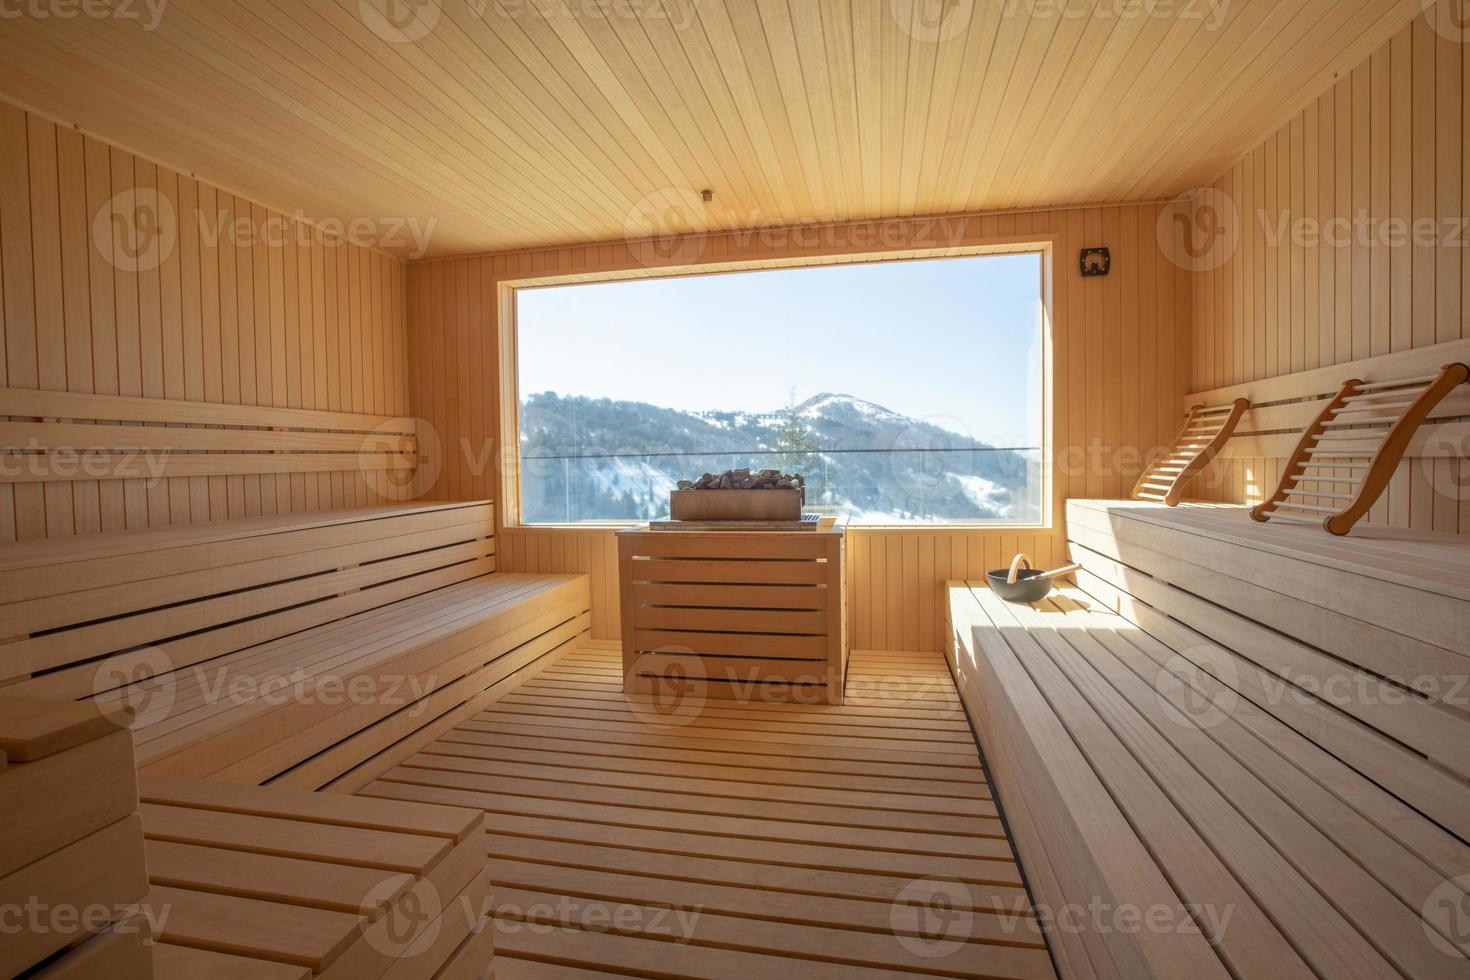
(1120, 368)
(1354, 179)
(298, 321)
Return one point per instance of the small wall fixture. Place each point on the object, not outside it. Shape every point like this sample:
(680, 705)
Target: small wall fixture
(1096, 261)
(707, 194)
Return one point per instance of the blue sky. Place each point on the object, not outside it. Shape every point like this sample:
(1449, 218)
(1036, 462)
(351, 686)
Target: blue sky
(954, 341)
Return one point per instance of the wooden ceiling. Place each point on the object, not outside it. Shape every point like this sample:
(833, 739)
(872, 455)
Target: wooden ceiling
(536, 122)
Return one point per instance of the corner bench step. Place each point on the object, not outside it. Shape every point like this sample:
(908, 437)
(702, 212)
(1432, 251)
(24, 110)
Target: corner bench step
(268, 882)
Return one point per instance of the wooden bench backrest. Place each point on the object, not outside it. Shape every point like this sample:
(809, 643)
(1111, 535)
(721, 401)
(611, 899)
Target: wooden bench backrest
(60, 436)
(1359, 644)
(1283, 406)
(85, 615)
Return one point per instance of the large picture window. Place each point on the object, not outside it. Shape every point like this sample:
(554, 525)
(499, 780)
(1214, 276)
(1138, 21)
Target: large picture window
(902, 391)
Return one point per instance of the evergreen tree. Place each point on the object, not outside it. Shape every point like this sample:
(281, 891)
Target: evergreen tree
(797, 444)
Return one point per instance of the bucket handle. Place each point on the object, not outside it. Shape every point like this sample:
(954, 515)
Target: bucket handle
(1015, 571)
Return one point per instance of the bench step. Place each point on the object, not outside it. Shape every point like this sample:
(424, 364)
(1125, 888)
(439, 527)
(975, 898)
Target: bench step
(259, 881)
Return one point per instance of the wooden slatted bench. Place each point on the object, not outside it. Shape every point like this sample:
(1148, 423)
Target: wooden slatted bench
(1259, 734)
(263, 882)
(283, 649)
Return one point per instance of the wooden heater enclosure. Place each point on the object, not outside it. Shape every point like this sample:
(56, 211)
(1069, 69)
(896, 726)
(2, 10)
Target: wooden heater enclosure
(754, 615)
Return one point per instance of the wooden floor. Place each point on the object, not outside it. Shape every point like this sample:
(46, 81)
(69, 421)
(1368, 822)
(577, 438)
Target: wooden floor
(725, 840)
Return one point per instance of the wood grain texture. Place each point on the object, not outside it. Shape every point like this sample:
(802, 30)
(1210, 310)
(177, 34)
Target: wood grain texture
(267, 314)
(800, 833)
(1105, 423)
(526, 123)
(1376, 182)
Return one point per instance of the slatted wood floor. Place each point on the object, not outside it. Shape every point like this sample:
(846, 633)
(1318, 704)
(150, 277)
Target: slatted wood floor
(736, 840)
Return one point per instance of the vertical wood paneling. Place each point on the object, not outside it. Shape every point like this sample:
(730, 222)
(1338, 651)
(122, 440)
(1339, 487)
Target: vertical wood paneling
(1383, 155)
(1120, 361)
(248, 317)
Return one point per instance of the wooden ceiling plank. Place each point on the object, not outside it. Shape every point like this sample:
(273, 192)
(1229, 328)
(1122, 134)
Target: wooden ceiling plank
(742, 37)
(1181, 85)
(717, 106)
(867, 49)
(1279, 98)
(716, 54)
(806, 93)
(1064, 78)
(824, 46)
(1134, 88)
(1023, 79)
(685, 107)
(585, 63)
(956, 59)
(922, 98)
(1009, 38)
(425, 68)
(357, 124)
(76, 74)
(537, 82)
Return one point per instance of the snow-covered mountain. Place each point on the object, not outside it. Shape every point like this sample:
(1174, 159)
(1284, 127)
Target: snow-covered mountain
(599, 459)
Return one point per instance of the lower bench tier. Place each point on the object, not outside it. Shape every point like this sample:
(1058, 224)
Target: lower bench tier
(306, 710)
(267, 883)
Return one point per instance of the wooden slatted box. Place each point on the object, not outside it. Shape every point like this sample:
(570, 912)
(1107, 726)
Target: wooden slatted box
(740, 614)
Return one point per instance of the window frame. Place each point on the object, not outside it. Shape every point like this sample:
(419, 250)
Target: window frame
(508, 403)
